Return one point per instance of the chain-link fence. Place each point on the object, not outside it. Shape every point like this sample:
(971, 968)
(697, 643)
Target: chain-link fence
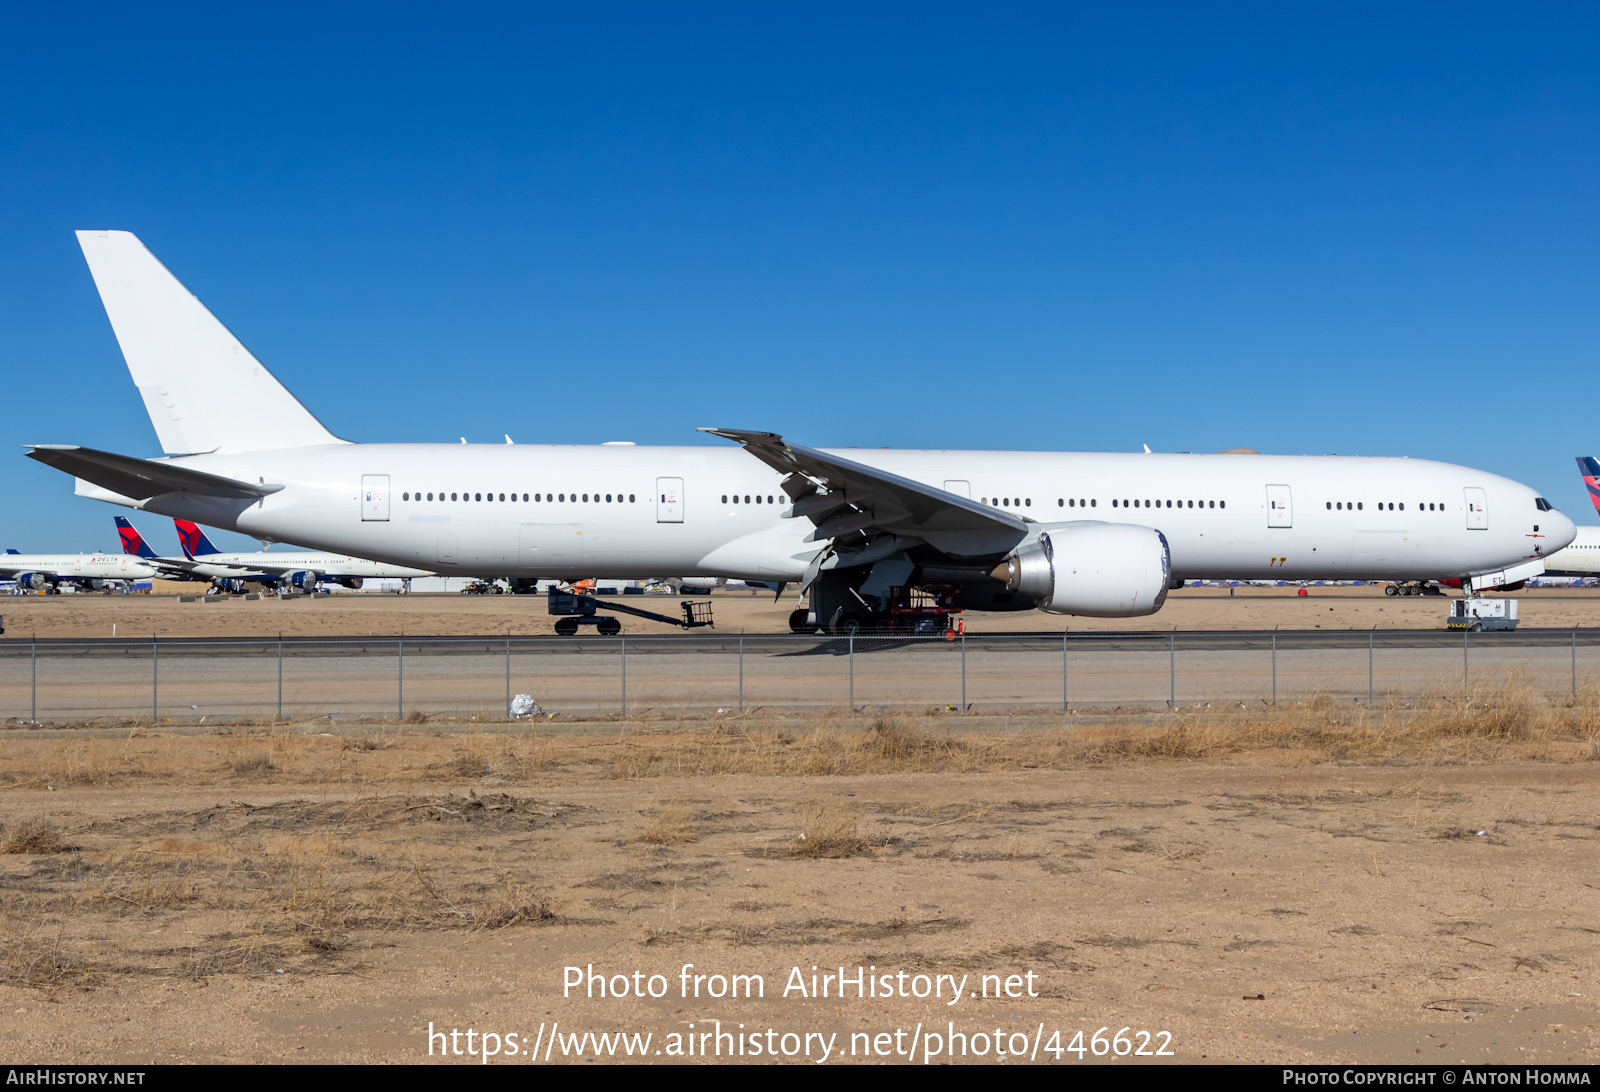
(59, 681)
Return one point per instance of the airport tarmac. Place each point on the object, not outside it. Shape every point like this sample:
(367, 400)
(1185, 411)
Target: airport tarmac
(364, 614)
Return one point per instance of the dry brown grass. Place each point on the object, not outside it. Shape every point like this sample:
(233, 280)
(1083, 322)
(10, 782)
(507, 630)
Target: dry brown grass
(671, 825)
(828, 830)
(372, 837)
(1505, 723)
(253, 765)
(34, 836)
(299, 888)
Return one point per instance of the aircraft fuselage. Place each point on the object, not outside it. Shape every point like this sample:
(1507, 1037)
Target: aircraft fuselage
(626, 511)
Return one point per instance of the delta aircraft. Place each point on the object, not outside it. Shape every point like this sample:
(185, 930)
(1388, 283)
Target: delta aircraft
(1581, 557)
(286, 570)
(1103, 535)
(41, 572)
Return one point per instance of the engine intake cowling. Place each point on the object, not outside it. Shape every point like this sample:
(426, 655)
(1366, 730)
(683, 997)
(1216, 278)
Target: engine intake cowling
(299, 580)
(1100, 570)
(32, 581)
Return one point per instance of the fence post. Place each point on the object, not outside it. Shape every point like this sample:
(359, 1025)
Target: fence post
(963, 668)
(1172, 669)
(1370, 637)
(1466, 668)
(852, 672)
(1063, 671)
(624, 646)
(279, 715)
(508, 674)
(1274, 665)
(155, 681)
(33, 682)
(741, 672)
(1574, 663)
(400, 674)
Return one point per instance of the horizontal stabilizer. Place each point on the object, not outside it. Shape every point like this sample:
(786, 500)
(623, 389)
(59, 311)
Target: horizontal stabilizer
(141, 479)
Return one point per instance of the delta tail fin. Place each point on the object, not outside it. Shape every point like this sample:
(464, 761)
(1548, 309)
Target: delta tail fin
(195, 543)
(132, 541)
(1590, 469)
(204, 390)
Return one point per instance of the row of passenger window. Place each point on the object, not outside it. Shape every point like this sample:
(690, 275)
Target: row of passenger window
(1172, 504)
(735, 499)
(1358, 506)
(549, 498)
(1091, 502)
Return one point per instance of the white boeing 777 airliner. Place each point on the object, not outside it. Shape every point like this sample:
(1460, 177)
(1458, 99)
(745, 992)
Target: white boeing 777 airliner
(1091, 534)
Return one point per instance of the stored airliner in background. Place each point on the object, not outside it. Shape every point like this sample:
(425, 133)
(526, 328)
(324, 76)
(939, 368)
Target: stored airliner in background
(40, 572)
(288, 570)
(1092, 534)
(1581, 557)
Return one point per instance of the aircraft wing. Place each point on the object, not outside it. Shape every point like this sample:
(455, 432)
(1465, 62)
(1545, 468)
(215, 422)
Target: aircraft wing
(141, 479)
(846, 499)
(171, 564)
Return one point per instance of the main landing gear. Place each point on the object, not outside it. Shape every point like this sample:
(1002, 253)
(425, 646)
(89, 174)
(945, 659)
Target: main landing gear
(841, 610)
(1415, 588)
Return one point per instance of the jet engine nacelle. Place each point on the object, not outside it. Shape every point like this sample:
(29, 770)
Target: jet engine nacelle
(233, 584)
(1100, 570)
(298, 580)
(32, 581)
(351, 582)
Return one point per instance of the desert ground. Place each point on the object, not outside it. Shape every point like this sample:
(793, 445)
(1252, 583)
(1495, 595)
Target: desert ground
(365, 614)
(1317, 885)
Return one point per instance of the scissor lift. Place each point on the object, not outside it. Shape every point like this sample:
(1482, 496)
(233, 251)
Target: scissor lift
(580, 610)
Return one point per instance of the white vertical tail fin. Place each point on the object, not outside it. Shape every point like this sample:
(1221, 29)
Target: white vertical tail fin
(204, 391)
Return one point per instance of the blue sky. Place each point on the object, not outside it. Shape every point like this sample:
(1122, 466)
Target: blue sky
(1364, 230)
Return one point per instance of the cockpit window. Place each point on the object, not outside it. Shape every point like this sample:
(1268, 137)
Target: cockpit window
(1543, 505)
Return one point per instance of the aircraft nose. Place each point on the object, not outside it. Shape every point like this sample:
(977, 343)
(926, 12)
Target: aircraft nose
(1561, 532)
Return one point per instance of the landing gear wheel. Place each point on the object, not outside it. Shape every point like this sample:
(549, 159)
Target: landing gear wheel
(846, 623)
(1392, 589)
(566, 627)
(608, 627)
(800, 621)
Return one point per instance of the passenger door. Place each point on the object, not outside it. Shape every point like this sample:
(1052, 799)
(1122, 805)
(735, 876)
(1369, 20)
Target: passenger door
(1477, 509)
(375, 498)
(1280, 506)
(669, 500)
